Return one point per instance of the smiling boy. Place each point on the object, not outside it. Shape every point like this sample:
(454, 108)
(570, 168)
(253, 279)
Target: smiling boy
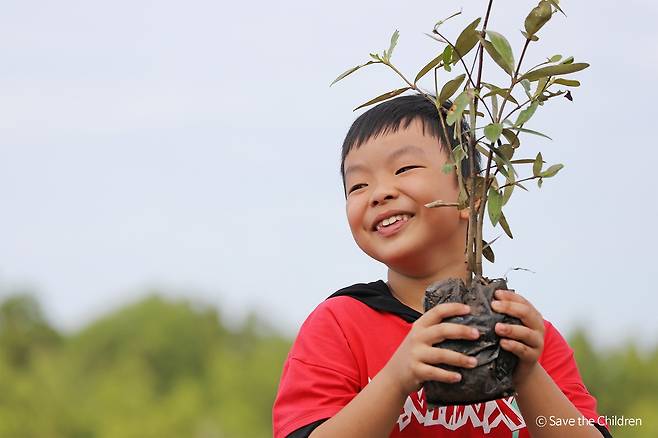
(358, 362)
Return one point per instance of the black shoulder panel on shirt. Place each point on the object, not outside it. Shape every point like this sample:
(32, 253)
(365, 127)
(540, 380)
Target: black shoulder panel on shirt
(603, 430)
(376, 295)
(305, 431)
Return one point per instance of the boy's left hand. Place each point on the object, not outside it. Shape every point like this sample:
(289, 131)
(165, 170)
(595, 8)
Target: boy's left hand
(525, 341)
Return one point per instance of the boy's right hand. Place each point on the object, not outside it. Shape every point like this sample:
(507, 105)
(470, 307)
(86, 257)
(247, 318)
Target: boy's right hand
(413, 362)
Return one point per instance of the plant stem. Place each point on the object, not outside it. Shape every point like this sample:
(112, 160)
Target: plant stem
(514, 78)
(521, 180)
(468, 73)
(476, 216)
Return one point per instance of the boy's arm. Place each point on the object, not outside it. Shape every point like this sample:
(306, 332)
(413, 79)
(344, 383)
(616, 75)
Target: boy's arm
(548, 412)
(374, 410)
(371, 413)
(544, 406)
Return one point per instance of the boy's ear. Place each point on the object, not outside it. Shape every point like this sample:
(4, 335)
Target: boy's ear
(463, 214)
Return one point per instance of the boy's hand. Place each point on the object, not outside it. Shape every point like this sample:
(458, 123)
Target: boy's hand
(525, 341)
(413, 362)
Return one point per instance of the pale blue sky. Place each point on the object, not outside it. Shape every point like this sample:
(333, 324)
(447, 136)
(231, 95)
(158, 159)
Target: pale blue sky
(193, 147)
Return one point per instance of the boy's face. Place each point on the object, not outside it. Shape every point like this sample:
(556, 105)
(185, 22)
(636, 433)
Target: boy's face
(396, 174)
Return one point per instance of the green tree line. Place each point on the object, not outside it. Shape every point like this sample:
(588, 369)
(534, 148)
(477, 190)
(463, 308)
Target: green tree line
(172, 368)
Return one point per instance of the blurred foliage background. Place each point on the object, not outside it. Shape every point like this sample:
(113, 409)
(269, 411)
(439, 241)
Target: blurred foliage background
(168, 368)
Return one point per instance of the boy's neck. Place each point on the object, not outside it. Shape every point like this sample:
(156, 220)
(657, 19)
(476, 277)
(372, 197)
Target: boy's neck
(411, 290)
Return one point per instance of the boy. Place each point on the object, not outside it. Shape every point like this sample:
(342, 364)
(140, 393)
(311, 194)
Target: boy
(357, 366)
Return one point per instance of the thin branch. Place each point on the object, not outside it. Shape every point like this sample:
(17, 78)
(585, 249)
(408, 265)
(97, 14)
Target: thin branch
(470, 78)
(518, 107)
(441, 203)
(477, 216)
(520, 181)
(514, 78)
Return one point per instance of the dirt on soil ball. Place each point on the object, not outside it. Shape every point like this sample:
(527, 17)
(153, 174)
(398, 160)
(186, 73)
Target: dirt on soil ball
(492, 377)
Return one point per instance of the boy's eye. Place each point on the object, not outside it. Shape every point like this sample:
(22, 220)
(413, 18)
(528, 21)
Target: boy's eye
(404, 169)
(355, 187)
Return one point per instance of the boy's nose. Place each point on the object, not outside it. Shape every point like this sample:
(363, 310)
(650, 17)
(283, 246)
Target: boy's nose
(381, 196)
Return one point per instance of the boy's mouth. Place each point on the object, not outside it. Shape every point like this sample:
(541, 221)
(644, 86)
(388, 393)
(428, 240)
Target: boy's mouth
(392, 224)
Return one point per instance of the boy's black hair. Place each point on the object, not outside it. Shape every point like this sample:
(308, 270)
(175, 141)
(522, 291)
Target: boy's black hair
(387, 117)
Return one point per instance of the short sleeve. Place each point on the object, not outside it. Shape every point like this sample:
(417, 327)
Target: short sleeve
(558, 360)
(320, 375)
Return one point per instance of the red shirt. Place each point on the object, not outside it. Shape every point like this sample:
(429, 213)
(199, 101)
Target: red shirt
(344, 343)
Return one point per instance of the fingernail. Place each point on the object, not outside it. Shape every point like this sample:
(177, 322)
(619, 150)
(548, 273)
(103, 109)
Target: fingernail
(456, 378)
(475, 332)
(472, 361)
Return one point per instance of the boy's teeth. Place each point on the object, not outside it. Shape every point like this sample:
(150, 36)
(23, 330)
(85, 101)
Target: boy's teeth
(391, 220)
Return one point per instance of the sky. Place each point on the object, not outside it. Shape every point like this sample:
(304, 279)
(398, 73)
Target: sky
(192, 148)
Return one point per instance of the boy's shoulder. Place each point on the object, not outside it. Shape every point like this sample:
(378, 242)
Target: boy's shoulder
(349, 303)
(375, 296)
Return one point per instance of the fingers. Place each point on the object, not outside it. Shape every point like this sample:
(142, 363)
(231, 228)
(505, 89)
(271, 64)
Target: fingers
(442, 311)
(503, 294)
(524, 352)
(430, 372)
(525, 335)
(447, 330)
(515, 305)
(436, 356)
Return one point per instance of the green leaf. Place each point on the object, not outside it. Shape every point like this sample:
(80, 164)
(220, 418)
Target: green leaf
(451, 88)
(551, 171)
(538, 17)
(383, 97)
(458, 107)
(430, 65)
(526, 114)
(568, 60)
(502, 92)
(526, 87)
(494, 104)
(555, 58)
(394, 42)
(466, 41)
(567, 82)
(507, 151)
(507, 191)
(503, 223)
(503, 47)
(511, 137)
(523, 161)
(493, 131)
(485, 152)
(541, 84)
(554, 70)
(495, 205)
(530, 131)
(536, 167)
(500, 165)
(447, 58)
(498, 59)
(530, 37)
(487, 252)
(518, 184)
(556, 4)
(440, 22)
(458, 154)
(352, 70)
